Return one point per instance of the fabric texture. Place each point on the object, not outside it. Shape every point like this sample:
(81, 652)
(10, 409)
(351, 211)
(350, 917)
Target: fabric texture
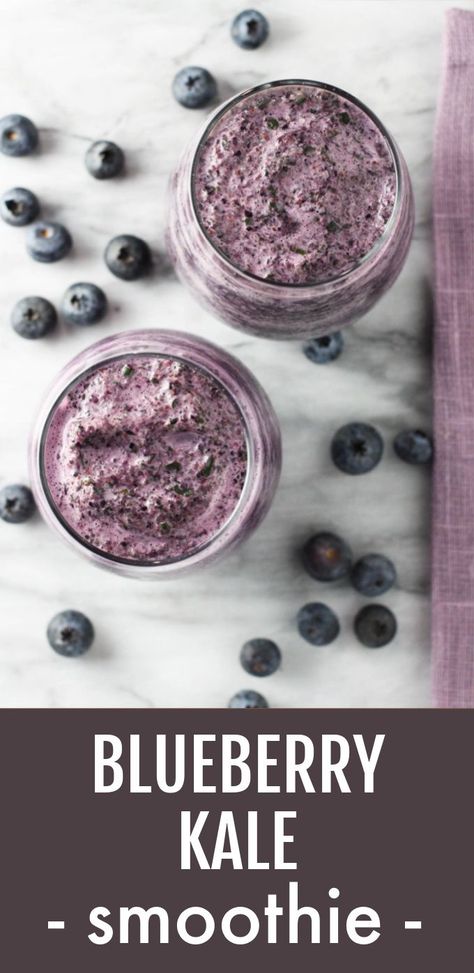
(453, 498)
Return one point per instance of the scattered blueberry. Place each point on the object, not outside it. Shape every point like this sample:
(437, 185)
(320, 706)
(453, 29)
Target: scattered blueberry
(33, 317)
(70, 633)
(375, 626)
(194, 87)
(48, 242)
(250, 29)
(260, 657)
(325, 349)
(16, 503)
(373, 575)
(84, 304)
(18, 207)
(327, 557)
(18, 135)
(104, 160)
(127, 257)
(356, 448)
(318, 624)
(248, 699)
(413, 446)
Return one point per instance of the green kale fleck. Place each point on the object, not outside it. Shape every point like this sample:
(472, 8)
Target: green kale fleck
(165, 527)
(127, 370)
(273, 122)
(298, 250)
(173, 467)
(182, 491)
(208, 468)
(345, 118)
(332, 226)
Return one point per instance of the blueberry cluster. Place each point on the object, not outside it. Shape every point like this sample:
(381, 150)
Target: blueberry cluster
(327, 557)
(196, 87)
(47, 241)
(358, 447)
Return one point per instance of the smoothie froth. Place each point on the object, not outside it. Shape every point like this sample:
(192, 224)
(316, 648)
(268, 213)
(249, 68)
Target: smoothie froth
(294, 184)
(145, 458)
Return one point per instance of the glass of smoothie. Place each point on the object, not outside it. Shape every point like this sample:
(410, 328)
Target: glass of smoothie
(154, 452)
(292, 212)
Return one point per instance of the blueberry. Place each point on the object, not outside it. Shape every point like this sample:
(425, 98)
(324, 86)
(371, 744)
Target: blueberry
(33, 317)
(84, 304)
(375, 626)
(18, 135)
(325, 349)
(127, 257)
(356, 448)
(249, 29)
(194, 87)
(373, 575)
(260, 657)
(248, 699)
(70, 633)
(317, 623)
(413, 446)
(327, 557)
(18, 207)
(16, 503)
(48, 242)
(104, 160)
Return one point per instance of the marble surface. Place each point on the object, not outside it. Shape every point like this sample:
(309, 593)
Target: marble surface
(92, 68)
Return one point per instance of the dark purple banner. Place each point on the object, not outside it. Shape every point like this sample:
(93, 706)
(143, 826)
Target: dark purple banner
(335, 840)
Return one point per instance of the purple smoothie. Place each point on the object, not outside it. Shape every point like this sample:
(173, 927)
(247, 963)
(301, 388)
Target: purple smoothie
(145, 458)
(294, 184)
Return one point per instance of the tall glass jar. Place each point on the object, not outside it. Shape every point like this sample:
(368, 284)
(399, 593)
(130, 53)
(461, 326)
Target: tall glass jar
(269, 308)
(259, 427)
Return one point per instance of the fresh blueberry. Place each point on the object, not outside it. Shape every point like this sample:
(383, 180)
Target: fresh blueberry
(16, 503)
(326, 557)
(194, 87)
(127, 256)
(325, 349)
(33, 317)
(260, 657)
(104, 160)
(84, 304)
(18, 207)
(250, 29)
(18, 135)
(413, 446)
(248, 699)
(70, 633)
(356, 448)
(375, 626)
(48, 242)
(373, 575)
(317, 623)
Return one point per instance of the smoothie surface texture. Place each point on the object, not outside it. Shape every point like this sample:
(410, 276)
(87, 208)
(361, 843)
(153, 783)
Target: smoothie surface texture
(294, 184)
(145, 458)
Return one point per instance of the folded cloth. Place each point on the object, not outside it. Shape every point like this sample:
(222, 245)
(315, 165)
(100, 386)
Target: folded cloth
(453, 500)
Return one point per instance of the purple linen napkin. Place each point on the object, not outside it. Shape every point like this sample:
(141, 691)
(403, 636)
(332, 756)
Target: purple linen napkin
(453, 500)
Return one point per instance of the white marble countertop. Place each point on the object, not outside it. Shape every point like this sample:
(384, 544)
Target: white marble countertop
(84, 69)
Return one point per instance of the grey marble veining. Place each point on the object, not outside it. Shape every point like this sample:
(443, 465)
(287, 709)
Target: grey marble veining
(100, 69)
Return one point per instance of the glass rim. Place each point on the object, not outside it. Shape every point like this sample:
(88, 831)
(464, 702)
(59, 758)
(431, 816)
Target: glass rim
(289, 82)
(74, 534)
